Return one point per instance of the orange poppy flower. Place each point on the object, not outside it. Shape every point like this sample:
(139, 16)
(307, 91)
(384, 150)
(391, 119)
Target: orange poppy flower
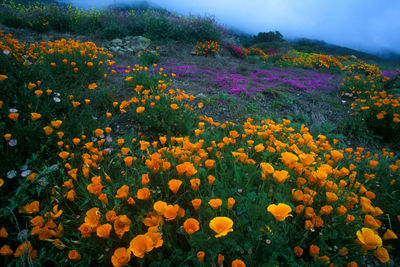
(140, 245)
(221, 225)
(209, 163)
(3, 233)
(103, 197)
(121, 225)
(382, 254)
(326, 210)
(211, 179)
(350, 218)
(56, 124)
(144, 145)
(140, 110)
(215, 203)
(98, 132)
(298, 251)
(369, 238)
(143, 193)
(389, 234)
(160, 207)
(266, 169)
(174, 185)
(25, 249)
(195, 183)
(297, 195)
(111, 215)
(281, 176)
(313, 250)
(280, 211)
(104, 230)
(336, 155)
(76, 141)
(92, 86)
(259, 148)
(128, 161)
(171, 211)
(373, 164)
(6, 250)
(238, 263)
(330, 197)
(196, 203)
(221, 259)
(123, 192)
(32, 207)
(64, 155)
(13, 116)
(35, 116)
(121, 257)
(71, 195)
(74, 255)
(200, 256)
(174, 106)
(231, 202)
(191, 226)
(289, 159)
(93, 217)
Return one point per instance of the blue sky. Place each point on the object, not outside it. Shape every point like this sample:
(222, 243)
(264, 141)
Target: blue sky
(369, 25)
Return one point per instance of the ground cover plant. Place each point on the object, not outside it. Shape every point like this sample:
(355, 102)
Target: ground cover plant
(239, 83)
(177, 187)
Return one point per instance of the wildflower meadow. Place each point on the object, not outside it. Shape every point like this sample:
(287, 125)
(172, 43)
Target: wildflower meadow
(108, 164)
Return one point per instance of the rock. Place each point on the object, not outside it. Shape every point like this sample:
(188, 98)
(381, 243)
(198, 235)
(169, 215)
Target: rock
(138, 43)
(201, 96)
(116, 41)
(115, 48)
(129, 44)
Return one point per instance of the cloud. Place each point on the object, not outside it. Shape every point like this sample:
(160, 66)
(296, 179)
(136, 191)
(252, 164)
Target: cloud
(368, 25)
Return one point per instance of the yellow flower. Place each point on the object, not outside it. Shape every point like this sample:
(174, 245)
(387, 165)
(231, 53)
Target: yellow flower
(221, 225)
(280, 211)
(3, 77)
(369, 238)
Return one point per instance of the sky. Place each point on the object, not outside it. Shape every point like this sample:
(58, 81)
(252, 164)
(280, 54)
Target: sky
(367, 25)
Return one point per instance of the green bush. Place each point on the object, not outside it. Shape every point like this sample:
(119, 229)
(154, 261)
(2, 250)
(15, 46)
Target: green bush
(114, 31)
